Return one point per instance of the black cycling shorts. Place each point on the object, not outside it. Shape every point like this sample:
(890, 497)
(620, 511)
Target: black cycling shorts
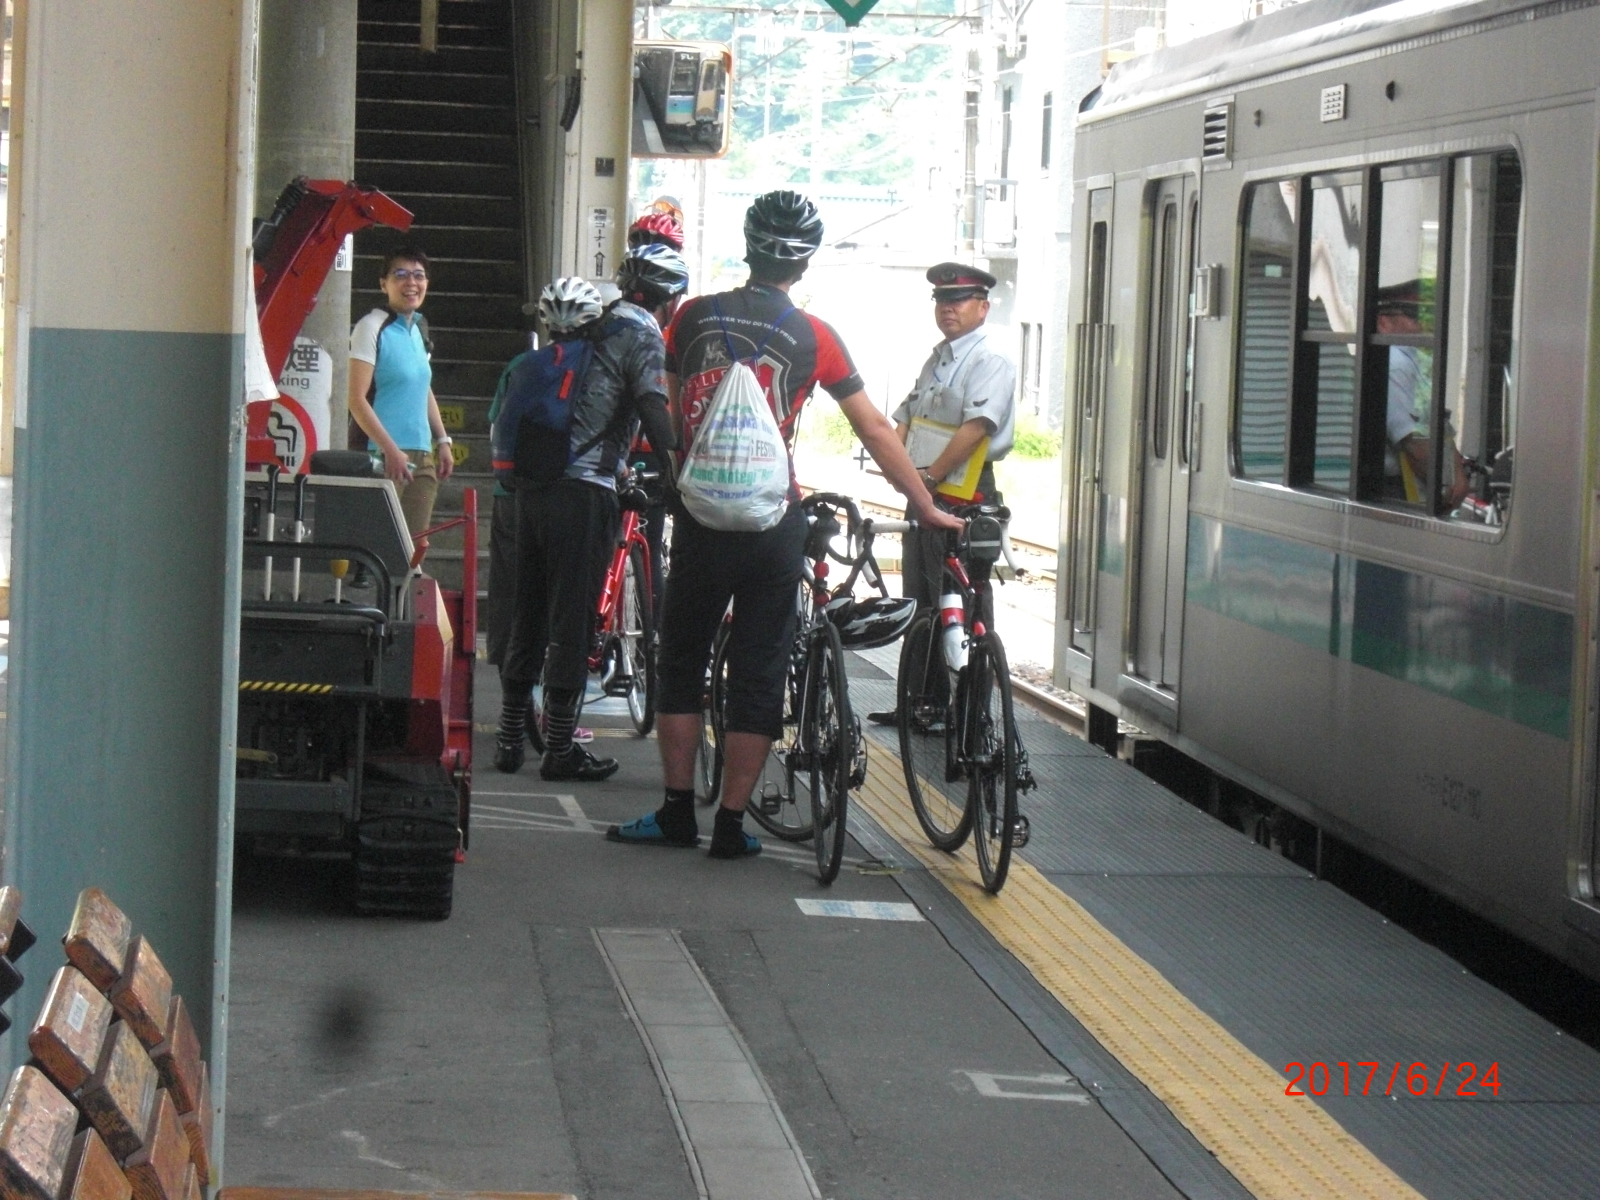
(760, 573)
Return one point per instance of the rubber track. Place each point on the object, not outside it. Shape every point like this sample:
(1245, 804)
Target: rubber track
(406, 843)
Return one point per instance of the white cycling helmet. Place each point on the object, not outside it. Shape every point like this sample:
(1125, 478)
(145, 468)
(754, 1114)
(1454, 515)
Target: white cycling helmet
(569, 304)
(877, 621)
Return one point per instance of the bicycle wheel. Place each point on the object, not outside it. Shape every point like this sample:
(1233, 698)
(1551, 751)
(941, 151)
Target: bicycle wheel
(779, 803)
(708, 760)
(638, 641)
(827, 741)
(926, 720)
(992, 757)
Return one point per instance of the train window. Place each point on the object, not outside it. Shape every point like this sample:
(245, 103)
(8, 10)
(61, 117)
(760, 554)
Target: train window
(1396, 384)
(1266, 330)
(1403, 340)
(1328, 355)
(1097, 273)
(1480, 343)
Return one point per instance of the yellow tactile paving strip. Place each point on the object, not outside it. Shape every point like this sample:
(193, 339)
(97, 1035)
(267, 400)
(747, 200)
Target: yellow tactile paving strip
(1279, 1147)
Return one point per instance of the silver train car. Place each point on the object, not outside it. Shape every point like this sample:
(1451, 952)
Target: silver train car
(1329, 518)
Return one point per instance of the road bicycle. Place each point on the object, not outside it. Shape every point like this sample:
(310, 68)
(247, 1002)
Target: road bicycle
(624, 649)
(954, 706)
(804, 786)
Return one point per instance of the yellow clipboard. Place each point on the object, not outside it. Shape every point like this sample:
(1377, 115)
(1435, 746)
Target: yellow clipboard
(927, 439)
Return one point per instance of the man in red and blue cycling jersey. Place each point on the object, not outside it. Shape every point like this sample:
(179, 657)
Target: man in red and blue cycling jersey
(791, 352)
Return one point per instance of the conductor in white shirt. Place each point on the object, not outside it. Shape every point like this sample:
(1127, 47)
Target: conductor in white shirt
(965, 393)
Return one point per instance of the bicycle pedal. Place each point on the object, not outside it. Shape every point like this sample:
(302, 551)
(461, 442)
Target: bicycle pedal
(1021, 831)
(770, 801)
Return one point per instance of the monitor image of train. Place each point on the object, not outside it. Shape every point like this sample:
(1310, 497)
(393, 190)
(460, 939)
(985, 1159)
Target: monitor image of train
(1329, 473)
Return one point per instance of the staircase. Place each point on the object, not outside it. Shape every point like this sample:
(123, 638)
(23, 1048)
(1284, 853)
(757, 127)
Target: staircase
(437, 131)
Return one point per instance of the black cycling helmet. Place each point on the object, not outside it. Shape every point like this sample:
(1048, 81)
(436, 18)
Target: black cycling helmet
(655, 272)
(877, 621)
(782, 226)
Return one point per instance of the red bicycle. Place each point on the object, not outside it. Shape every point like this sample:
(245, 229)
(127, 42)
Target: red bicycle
(625, 630)
(624, 651)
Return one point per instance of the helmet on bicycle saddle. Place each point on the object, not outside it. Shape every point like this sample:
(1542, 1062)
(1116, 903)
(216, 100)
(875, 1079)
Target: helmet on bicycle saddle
(654, 272)
(876, 621)
(782, 226)
(568, 304)
(657, 229)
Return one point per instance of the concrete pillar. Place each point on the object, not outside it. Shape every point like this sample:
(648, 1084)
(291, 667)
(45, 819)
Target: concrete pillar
(581, 173)
(306, 125)
(132, 162)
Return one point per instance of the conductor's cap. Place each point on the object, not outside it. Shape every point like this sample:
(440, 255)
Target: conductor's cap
(959, 281)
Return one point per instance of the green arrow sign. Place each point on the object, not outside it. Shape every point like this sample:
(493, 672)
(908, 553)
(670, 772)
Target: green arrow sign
(852, 10)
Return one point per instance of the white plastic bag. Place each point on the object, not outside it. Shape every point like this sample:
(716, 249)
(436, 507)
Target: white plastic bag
(736, 475)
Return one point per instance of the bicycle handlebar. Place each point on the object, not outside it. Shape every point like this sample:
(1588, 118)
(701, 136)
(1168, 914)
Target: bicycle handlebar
(872, 525)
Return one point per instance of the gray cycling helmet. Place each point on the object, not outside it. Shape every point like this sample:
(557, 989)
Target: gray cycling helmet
(569, 304)
(876, 621)
(783, 226)
(654, 271)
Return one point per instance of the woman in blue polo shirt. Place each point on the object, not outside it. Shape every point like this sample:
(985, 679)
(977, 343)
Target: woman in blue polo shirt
(391, 389)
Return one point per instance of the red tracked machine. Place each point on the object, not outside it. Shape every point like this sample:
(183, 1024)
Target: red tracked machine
(355, 667)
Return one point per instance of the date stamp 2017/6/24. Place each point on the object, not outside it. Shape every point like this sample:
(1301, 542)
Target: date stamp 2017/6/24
(1417, 1079)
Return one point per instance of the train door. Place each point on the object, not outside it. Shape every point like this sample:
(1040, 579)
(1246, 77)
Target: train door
(1093, 360)
(1161, 454)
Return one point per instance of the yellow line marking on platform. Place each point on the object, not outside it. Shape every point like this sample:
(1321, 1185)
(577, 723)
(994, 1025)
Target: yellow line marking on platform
(1279, 1147)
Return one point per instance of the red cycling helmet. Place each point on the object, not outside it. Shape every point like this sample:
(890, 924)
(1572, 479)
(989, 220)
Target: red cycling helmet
(658, 229)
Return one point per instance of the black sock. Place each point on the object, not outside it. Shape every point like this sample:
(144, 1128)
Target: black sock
(513, 716)
(676, 814)
(560, 719)
(729, 826)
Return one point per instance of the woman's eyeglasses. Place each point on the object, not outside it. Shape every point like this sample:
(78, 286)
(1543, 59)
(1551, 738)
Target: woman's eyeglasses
(403, 274)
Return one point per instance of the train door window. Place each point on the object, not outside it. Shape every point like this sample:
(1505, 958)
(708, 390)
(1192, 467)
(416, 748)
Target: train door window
(1479, 389)
(1266, 329)
(1193, 242)
(1093, 358)
(1323, 441)
(1158, 384)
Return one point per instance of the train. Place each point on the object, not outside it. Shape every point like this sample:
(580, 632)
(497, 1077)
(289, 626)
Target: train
(1329, 483)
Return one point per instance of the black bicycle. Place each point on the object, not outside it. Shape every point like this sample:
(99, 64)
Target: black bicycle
(954, 705)
(804, 787)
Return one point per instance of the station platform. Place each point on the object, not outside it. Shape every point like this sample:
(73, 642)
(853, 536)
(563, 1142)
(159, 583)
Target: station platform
(606, 1020)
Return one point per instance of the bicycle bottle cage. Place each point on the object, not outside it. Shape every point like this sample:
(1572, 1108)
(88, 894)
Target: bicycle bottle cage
(983, 540)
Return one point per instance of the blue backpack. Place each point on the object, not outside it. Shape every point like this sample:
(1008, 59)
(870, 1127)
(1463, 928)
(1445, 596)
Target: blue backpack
(530, 438)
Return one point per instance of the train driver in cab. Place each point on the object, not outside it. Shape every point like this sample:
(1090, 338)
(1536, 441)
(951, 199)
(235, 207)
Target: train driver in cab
(1410, 398)
(957, 422)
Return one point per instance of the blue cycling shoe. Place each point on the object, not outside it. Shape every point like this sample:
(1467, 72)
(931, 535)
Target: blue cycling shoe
(743, 846)
(647, 831)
